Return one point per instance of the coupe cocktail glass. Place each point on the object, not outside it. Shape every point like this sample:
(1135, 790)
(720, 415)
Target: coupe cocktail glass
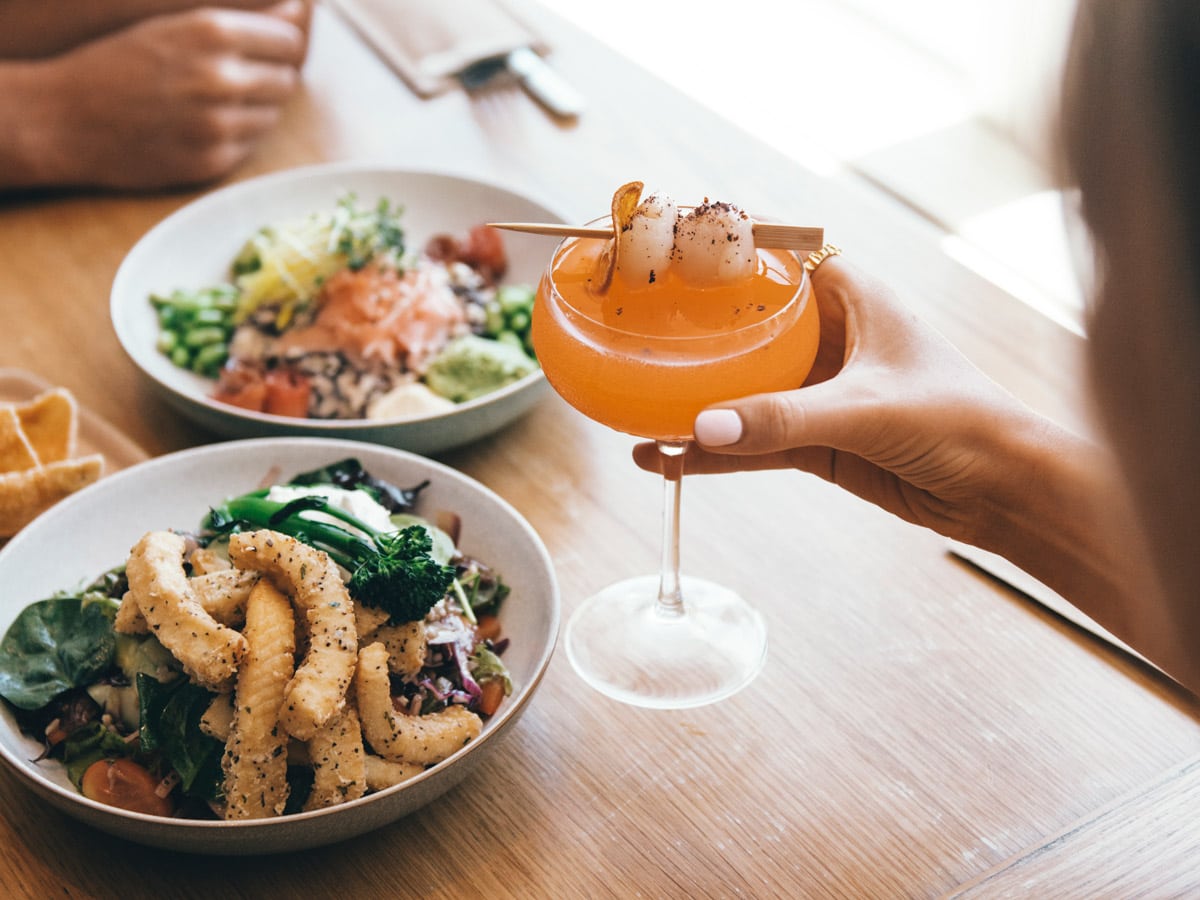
(645, 360)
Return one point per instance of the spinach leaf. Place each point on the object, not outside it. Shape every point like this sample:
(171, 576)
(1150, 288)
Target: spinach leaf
(170, 723)
(53, 646)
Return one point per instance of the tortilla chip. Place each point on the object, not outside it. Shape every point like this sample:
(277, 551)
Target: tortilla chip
(16, 453)
(50, 421)
(25, 494)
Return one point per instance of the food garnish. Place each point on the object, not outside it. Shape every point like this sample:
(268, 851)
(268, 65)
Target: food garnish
(712, 244)
(624, 204)
(392, 570)
(293, 653)
(334, 315)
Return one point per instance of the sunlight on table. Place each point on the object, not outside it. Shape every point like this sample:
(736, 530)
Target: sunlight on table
(941, 103)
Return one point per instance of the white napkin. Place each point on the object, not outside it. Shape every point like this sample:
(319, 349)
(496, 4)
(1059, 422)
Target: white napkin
(428, 42)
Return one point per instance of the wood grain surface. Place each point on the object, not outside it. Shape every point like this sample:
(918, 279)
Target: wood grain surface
(918, 730)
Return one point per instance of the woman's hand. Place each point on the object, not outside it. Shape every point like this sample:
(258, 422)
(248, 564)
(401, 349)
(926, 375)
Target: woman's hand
(896, 415)
(892, 412)
(175, 99)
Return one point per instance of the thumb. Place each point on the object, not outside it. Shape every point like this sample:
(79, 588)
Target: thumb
(830, 414)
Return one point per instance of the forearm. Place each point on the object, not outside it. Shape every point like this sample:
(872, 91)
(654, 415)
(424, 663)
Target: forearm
(1065, 516)
(27, 116)
(30, 29)
(172, 101)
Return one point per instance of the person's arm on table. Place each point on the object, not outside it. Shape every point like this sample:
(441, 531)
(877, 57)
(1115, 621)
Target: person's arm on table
(175, 99)
(30, 29)
(896, 415)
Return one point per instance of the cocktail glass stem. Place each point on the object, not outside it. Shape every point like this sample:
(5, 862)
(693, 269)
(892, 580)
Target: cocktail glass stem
(670, 595)
(640, 642)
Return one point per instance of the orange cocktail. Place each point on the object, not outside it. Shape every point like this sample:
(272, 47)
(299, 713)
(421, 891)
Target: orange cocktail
(645, 359)
(641, 331)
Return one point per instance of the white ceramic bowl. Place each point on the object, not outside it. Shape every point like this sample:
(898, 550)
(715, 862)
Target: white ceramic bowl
(103, 521)
(194, 246)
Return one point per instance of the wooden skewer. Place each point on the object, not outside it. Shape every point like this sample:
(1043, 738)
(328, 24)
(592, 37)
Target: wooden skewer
(766, 234)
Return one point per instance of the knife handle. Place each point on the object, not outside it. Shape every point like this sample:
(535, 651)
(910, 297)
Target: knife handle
(544, 84)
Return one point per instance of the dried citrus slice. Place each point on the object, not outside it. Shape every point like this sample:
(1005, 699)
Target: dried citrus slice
(624, 204)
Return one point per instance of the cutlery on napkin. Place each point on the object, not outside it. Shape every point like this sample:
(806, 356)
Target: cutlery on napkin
(435, 45)
(534, 74)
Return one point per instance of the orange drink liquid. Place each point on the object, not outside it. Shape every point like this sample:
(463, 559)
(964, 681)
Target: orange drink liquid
(645, 359)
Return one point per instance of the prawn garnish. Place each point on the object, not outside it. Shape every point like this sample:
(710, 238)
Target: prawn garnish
(255, 758)
(383, 773)
(714, 244)
(647, 240)
(339, 762)
(406, 646)
(624, 204)
(423, 740)
(161, 592)
(317, 692)
(711, 245)
(222, 594)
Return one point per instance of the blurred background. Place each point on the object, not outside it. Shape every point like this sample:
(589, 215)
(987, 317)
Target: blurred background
(945, 104)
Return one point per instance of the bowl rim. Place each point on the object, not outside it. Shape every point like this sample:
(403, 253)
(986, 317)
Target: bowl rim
(493, 729)
(119, 297)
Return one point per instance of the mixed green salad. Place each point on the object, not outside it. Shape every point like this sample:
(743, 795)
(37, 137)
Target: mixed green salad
(131, 727)
(334, 315)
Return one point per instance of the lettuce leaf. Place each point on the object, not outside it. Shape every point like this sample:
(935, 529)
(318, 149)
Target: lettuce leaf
(55, 645)
(170, 725)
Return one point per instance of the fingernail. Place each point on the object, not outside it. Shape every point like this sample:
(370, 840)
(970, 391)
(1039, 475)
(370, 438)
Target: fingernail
(718, 427)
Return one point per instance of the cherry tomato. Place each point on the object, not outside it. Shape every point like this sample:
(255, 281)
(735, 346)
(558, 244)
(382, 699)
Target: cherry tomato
(443, 248)
(287, 393)
(240, 385)
(491, 697)
(126, 785)
(488, 628)
(485, 252)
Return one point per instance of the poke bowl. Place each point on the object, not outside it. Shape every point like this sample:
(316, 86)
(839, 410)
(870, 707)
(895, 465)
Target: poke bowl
(262, 256)
(175, 492)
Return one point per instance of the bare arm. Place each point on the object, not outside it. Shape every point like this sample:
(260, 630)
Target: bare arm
(899, 417)
(35, 28)
(172, 100)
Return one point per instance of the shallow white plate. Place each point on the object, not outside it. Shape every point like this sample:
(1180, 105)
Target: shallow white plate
(92, 531)
(193, 248)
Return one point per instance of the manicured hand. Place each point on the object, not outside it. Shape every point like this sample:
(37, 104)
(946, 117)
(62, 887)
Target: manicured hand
(892, 412)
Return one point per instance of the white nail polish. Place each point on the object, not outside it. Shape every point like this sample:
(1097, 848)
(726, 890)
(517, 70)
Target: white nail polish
(718, 427)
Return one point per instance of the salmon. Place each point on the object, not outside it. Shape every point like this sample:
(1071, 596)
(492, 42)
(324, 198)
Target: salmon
(380, 315)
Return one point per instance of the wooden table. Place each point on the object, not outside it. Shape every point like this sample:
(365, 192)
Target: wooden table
(918, 730)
